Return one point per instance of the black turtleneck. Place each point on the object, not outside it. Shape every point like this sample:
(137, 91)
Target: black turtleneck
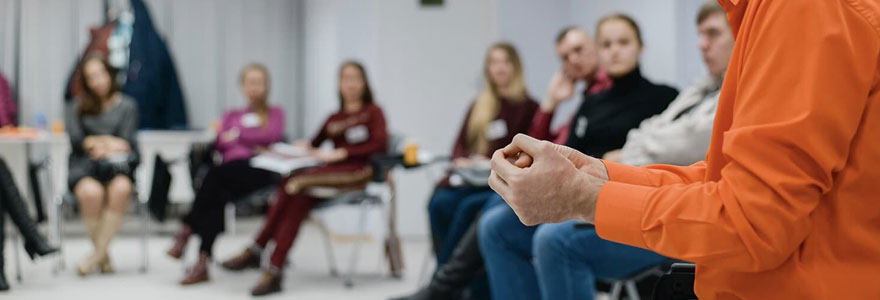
(604, 119)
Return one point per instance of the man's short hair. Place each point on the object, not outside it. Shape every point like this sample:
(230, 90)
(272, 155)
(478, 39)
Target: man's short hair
(708, 9)
(565, 31)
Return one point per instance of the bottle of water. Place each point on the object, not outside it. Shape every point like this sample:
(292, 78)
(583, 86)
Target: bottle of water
(40, 120)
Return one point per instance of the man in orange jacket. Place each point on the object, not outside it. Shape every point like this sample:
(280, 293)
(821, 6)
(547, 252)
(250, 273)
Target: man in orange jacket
(787, 203)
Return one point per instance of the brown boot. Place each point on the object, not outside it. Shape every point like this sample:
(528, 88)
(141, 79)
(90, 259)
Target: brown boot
(270, 283)
(180, 241)
(199, 272)
(249, 258)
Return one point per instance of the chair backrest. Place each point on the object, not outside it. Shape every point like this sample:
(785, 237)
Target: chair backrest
(396, 142)
(677, 284)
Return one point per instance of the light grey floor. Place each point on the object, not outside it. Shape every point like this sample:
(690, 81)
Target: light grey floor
(307, 278)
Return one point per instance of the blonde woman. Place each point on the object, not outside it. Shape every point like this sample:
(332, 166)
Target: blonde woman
(502, 109)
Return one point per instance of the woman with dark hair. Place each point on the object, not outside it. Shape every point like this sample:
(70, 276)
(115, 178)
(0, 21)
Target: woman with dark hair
(102, 125)
(357, 131)
(242, 134)
(13, 205)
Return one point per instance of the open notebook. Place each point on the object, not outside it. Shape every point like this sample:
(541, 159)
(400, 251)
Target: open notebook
(284, 158)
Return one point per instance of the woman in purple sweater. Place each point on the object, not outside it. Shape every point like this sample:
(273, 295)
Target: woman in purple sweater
(243, 134)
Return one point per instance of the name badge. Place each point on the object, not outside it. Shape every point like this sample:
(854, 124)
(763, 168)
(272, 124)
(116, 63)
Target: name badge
(496, 130)
(357, 134)
(250, 120)
(581, 128)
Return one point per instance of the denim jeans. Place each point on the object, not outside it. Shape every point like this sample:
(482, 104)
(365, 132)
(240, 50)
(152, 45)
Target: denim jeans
(452, 211)
(551, 261)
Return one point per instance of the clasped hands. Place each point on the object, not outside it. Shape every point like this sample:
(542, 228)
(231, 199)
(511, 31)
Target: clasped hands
(104, 146)
(545, 182)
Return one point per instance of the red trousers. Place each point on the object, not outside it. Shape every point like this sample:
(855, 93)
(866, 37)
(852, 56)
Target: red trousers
(293, 204)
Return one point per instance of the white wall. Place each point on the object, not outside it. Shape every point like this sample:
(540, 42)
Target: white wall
(8, 9)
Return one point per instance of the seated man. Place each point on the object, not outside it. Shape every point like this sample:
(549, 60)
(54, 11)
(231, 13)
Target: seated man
(568, 258)
(785, 204)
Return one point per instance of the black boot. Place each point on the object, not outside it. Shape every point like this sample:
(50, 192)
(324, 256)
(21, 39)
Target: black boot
(4, 286)
(34, 243)
(454, 277)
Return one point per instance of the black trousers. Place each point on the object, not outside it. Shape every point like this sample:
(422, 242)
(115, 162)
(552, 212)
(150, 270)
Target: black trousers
(223, 184)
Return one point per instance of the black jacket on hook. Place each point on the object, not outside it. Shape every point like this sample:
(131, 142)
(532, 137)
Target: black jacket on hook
(151, 77)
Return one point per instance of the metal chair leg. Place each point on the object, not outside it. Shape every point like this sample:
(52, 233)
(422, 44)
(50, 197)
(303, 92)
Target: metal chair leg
(361, 229)
(229, 211)
(631, 291)
(328, 247)
(16, 244)
(145, 229)
(59, 236)
(615, 290)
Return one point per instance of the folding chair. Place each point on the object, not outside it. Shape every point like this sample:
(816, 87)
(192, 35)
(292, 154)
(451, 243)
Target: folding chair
(677, 284)
(378, 193)
(629, 282)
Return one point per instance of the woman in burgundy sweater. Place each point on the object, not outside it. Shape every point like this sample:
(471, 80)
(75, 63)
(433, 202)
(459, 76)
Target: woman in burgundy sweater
(357, 132)
(501, 110)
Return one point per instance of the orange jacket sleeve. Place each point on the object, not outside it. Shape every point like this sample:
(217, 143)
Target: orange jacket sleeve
(655, 175)
(792, 101)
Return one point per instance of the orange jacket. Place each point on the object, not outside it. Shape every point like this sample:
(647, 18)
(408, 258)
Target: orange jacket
(787, 203)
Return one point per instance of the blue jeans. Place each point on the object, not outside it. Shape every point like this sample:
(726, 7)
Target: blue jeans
(567, 259)
(452, 211)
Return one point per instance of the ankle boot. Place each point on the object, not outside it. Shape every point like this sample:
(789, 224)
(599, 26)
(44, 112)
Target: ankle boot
(249, 258)
(36, 248)
(453, 278)
(110, 223)
(199, 272)
(427, 293)
(465, 264)
(180, 241)
(34, 242)
(270, 283)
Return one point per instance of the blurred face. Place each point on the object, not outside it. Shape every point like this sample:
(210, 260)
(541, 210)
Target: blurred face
(97, 78)
(501, 69)
(255, 85)
(716, 43)
(351, 84)
(619, 48)
(577, 51)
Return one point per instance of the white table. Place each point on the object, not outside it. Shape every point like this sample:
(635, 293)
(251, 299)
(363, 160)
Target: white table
(19, 152)
(171, 145)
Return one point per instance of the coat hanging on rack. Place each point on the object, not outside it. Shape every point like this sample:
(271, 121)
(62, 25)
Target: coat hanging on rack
(150, 77)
